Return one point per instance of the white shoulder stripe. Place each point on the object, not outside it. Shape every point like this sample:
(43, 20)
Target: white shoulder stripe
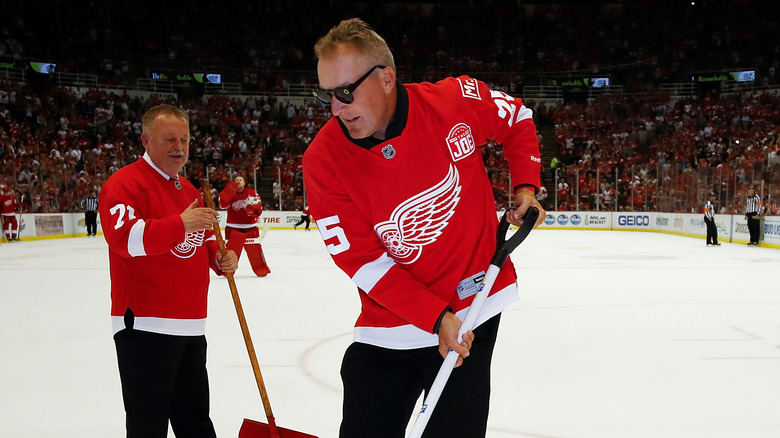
(369, 274)
(135, 239)
(524, 113)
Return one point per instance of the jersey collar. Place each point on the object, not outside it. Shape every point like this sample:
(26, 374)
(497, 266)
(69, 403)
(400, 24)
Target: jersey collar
(148, 159)
(394, 128)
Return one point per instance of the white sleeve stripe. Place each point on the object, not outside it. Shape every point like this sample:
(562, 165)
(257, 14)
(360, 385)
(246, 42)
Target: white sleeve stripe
(524, 113)
(165, 326)
(369, 274)
(405, 337)
(135, 239)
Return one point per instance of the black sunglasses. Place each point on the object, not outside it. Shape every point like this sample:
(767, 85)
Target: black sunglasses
(343, 94)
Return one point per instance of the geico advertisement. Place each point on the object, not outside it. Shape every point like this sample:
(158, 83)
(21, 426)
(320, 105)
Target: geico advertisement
(577, 219)
(678, 223)
(633, 220)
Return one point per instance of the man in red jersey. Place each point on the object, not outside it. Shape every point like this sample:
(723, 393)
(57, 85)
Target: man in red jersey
(403, 202)
(8, 207)
(244, 208)
(160, 249)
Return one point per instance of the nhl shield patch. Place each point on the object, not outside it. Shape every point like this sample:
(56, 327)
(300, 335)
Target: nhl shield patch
(388, 151)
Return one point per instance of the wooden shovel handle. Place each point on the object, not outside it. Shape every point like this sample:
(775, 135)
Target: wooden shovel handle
(250, 349)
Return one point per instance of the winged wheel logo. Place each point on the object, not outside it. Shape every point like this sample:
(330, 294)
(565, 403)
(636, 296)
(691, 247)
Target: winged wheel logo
(421, 219)
(191, 243)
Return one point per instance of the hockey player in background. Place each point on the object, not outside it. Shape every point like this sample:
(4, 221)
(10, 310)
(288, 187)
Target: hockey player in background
(243, 210)
(400, 194)
(305, 219)
(161, 246)
(9, 205)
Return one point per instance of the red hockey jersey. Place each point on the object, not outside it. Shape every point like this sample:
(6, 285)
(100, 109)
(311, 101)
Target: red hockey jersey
(243, 208)
(8, 203)
(412, 220)
(157, 270)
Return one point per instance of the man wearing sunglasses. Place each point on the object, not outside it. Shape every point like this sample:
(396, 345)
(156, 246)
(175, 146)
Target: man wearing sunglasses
(405, 207)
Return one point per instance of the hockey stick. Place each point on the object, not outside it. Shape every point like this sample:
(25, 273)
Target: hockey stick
(19, 223)
(263, 232)
(249, 428)
(503, 248)
(259, 239)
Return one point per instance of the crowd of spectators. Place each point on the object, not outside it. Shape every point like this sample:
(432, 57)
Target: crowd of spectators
(648, 152)
(59, 143)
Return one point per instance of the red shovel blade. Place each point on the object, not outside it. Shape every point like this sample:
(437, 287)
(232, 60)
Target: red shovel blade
(256, 429)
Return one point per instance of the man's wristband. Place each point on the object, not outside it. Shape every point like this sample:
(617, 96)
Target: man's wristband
(518, 187)
(438, 320)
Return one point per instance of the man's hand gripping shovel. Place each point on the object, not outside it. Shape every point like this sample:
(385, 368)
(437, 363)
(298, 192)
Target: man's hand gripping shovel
(503, 248)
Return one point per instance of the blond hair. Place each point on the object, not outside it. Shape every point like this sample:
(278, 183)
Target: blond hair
(359, 35)
(162, 110)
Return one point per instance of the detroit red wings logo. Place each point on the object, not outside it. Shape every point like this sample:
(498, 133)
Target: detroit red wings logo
(191, 243)
(421, 219)
(244, 203)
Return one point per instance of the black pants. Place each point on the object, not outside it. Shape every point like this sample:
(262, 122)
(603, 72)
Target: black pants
(164, 378)
(90, 218)
(381, 388)
(712, 231)
(754, 227)
(304, 218)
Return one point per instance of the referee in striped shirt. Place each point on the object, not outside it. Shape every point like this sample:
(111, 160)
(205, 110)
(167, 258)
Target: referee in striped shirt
(90, 207)
(709, 220)
(753, 215)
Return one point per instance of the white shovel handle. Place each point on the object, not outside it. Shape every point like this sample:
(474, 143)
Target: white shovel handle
(449, 362)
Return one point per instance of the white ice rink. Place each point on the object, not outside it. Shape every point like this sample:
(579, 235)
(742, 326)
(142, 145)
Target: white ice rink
(617, 334)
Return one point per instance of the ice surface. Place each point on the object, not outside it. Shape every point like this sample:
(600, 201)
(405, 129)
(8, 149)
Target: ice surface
(617, 334)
